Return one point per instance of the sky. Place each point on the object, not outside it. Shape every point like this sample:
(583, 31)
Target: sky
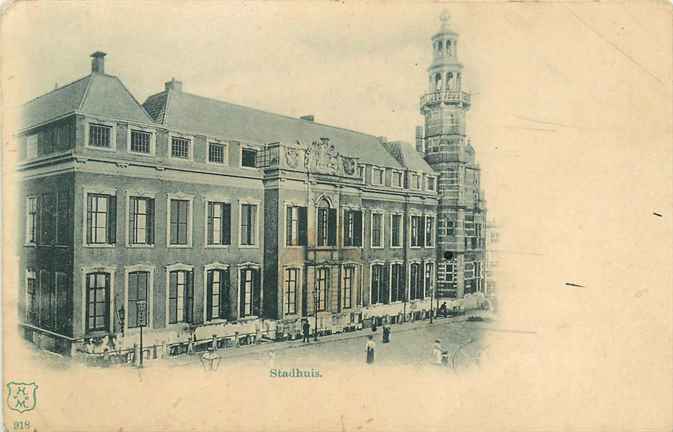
(571, 122)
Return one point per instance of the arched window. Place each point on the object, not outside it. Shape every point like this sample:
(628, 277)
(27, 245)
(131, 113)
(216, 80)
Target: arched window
(326, 224)
(438, 81)
(449, 81)
(448, 47)
(439, 46)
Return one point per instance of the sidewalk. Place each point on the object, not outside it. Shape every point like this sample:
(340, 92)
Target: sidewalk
(228, 353)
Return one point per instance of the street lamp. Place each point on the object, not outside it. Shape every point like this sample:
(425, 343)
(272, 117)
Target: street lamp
(142, 314)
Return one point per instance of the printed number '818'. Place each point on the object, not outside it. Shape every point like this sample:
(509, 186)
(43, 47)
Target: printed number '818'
(21, 425)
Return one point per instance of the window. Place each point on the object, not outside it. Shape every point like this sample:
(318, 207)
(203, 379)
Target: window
(378, 292)
(377, 176)
(416, 282)
(347, 287)
(416, 231)
(101, 219)
(140, 141)
(290, 292)
(138, 292)
(97, 301)
(397, 179)
(326, 224)
(248, 224)
(32, 305)
(452, 178)
(180, 296)
(141, 221)
(59, 297)
(249, 291)
(180, 147)
(429, 268)
(63, 218)
(32, 210)
(295, 226)
(429, 231)
(47, 218)
(31, 146)
(430, 183)
(321, 285)
(179, 222)
(377, 230)
(249, 158)
(396, 230)
(216, 152)
(450, 228)
(396, 282)
(361, 172)
(217, 294)
(218, 225)
(99, 135)
(469, 276)
(352, 228)
(415, 182)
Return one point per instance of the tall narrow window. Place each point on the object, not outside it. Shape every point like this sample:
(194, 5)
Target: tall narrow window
(179, 222)
(248, 224)
(63, 218)
(219, 223)
(326, 225)
(429, 231)
(379, 293)
(417, 231)
(352, 228)
(321, 286)
(99, 135)
(290, 291)
(61, 292)
(31, 146)
(32, 210)
(397, 179)
(138, 292)
(429, 278)
(141, 221)
(347, 287)
(101, 218)
(180, 296)
(249, 292)
(217, 294)
(416, 282)
(396, 230)
(98, 301)
(47, 218)
(377, 230)
(295, 226)
(180, 147)
(377, 176)
(396, 282)
(140, 141)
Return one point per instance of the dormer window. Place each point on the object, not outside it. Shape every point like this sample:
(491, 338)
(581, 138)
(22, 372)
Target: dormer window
(249, 158)
(216, 152)
(140, 141)
(415, 182)
(431, 183)
(377, 176)
(361, 172)
(99, 135)
(397, 179)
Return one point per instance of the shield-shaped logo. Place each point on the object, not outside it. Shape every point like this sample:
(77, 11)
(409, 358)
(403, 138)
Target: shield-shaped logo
(22, 397)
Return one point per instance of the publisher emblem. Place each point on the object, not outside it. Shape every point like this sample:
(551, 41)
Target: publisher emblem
(22, 397)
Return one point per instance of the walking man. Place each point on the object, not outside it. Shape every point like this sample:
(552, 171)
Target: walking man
(306, 330)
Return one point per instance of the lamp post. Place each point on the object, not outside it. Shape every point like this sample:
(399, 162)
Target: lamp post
(142, 314)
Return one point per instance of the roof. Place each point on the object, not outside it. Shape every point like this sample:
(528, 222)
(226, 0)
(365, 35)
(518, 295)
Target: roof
(407, 156)
(96, 94)
(197, 114)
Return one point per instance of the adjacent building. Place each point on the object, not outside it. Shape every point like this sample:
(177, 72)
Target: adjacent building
(194, 217)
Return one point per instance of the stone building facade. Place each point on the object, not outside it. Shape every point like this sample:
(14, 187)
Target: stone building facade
(195, 217)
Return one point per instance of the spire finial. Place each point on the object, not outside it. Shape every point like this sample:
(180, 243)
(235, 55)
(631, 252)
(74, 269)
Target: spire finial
(444, 18)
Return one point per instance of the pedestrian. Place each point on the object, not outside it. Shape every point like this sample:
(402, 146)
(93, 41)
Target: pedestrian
(386, 333)
(370, 349)
(443, 310)
(437, 352)
(306, 328)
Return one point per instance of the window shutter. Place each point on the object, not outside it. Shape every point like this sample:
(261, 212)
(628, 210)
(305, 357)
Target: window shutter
(210, 223)
(421, 231)
(357, 228)
(209, 295)
(112, 219)
(189, 297)
(149, 228)
(288, 226)
(226, 225)
(241, 299)
(224, 294)
(386, 284)
(332, 225)
(303, 229)
(132, 208)
(107, 303)
(256, 294)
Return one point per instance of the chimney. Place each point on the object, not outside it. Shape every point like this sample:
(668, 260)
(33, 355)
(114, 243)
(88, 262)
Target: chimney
(420, 142)
(309, 117)
(173, 84)
(98, 62)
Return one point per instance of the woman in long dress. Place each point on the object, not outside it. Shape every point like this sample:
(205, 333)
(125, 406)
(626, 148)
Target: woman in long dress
(437, 352)
(370, 349)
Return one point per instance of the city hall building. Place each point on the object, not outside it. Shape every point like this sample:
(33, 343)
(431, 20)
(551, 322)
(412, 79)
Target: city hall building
(194, 217)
